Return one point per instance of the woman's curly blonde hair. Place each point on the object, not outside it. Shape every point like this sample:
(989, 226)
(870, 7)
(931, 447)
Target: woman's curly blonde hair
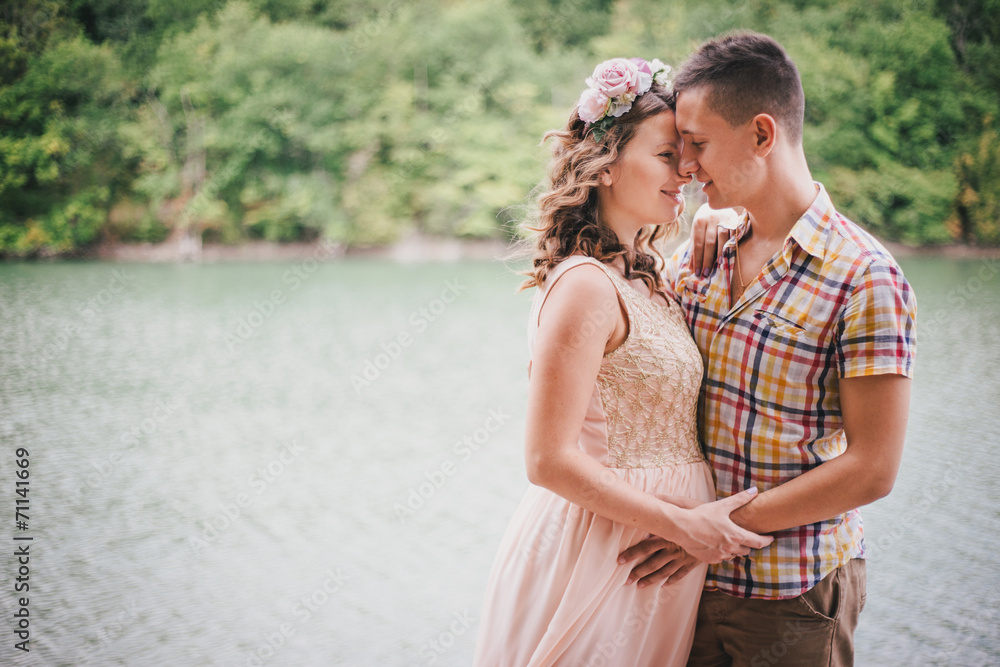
(566, 219)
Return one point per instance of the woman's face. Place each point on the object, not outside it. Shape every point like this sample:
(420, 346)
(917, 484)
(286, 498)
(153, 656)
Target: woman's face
(644, 186)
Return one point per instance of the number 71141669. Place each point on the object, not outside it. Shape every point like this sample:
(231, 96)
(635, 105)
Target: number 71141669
(21, 502)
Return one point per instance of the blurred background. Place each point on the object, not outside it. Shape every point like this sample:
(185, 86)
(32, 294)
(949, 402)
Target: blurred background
(362, 121)
(297, 461)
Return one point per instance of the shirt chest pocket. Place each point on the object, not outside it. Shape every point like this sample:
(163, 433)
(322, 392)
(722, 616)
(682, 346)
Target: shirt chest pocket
(793, 351)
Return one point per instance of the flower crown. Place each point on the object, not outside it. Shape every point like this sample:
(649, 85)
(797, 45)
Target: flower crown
(613, 87)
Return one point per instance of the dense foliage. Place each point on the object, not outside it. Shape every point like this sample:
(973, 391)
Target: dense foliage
(361, 120)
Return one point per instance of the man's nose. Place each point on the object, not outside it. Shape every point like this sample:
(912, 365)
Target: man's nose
(688, 165)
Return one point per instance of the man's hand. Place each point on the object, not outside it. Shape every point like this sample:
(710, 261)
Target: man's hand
(710, 230)
(662, 562)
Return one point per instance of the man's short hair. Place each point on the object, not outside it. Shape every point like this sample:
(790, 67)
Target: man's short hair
(747, 73)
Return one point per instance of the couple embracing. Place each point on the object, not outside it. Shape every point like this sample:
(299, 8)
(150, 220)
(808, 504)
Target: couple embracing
(700, 430)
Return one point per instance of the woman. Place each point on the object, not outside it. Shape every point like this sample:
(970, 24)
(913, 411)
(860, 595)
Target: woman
(611, 439)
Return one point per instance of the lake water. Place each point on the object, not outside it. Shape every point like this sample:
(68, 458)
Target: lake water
(279, 464)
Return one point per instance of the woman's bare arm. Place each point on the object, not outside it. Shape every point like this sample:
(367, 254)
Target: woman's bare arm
(570, 344)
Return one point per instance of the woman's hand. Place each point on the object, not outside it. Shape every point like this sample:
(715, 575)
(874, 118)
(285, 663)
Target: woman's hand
(710, 229)
(709, 534)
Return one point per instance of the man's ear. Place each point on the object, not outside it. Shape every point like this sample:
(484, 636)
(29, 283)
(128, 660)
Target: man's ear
(765, 132)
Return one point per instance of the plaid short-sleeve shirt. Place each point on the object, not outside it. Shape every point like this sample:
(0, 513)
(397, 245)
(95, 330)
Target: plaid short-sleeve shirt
(831, 304)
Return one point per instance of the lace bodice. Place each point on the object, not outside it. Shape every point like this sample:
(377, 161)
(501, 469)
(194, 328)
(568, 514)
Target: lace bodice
(647, 388)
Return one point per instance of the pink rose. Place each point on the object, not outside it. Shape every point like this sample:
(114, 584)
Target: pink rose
(645, 75)
(593, 105)
(615, 77)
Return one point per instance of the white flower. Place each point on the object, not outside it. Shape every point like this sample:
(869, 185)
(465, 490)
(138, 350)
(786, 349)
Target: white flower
(621, 104)
(618, 108)
(661, 72)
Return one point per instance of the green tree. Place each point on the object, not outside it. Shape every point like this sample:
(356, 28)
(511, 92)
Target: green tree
(61, 101)
(363, 120)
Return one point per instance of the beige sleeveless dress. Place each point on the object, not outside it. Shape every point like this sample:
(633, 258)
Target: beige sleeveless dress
(556, 594)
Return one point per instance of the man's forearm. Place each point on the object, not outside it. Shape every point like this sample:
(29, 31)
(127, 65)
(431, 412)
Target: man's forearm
(835, 487)
(874, 409)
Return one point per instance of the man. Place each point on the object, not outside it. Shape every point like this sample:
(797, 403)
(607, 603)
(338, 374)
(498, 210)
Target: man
(807, 328)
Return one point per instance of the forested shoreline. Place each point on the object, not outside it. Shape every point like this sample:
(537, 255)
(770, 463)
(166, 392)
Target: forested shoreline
(359, 123)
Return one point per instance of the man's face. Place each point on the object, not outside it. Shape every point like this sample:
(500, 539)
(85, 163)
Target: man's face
(720, 156)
